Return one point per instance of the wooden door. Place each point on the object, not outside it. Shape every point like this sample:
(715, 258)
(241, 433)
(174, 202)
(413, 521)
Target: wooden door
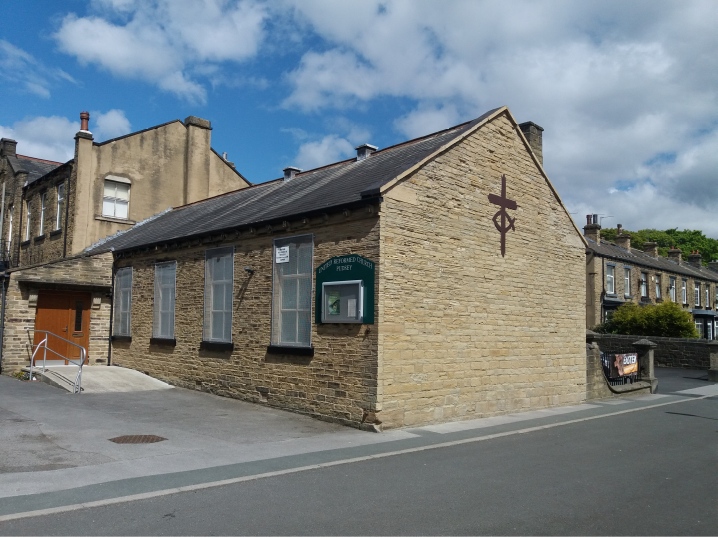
(66, 314)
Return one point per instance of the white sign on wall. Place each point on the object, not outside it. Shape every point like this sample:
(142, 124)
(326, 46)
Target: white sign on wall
(282, 254)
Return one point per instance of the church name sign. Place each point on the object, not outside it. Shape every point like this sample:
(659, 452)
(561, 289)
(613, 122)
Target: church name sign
(345, 291)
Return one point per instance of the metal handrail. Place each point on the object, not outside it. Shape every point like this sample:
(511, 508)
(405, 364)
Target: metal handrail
(77, 387)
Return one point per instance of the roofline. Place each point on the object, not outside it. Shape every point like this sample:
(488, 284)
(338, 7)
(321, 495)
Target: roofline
(254, 224)
(44, 176)
(137, 132)
(233, 168)
(38, 159)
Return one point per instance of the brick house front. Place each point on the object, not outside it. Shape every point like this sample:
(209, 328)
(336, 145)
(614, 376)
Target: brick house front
(405, 286)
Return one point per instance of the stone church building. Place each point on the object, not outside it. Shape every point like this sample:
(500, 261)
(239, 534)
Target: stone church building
(50, 213)
(438, 279)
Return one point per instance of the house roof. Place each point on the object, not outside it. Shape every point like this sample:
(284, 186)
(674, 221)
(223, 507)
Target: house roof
(334, 186)
(35, 168)
(638, 257)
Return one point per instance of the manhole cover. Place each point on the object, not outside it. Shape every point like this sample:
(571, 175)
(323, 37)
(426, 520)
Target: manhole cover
(137, 439)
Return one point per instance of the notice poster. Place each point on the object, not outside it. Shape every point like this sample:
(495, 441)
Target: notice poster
(352, 308)
(334, 300)
(282, 254)
(629, 362)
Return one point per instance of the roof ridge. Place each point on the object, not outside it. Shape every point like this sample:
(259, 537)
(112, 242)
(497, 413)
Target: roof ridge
(137, 132)
(38, 159)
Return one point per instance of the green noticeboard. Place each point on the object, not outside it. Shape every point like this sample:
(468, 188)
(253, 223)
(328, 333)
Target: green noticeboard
(339, 270)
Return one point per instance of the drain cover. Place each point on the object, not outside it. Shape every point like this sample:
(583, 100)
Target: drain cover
(137, 439)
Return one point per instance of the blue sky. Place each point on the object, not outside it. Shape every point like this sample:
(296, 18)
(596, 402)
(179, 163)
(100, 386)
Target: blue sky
(617, 86)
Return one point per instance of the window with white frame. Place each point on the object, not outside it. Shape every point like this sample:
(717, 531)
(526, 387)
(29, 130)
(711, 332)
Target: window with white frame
(60, 205)
(658, 287)
(292, 291)
(28, 217)
(116, 199)
(123, 302)
(685, 292)
(644, 284)
(626, 282)
(43, 200)
(673, 289)
(709, 330)
(699, 327)
(610, 280)
(9, 232)
(697, 294)
(218, 284)
(163, 326)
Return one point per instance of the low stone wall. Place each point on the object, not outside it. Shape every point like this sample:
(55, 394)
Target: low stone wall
(597, 387)
(671, 352)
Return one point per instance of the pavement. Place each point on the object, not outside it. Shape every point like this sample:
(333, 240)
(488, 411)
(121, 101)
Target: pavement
(98, 379)
(57, 455)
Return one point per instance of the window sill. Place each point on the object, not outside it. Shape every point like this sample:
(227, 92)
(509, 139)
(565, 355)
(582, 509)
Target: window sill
(163, 341)
(291, 350)
(114, 220)
(628, 297)
(216, 346)
(56, 232)
(24, 243)
(122, 338)
(611, 295)
(40, 237)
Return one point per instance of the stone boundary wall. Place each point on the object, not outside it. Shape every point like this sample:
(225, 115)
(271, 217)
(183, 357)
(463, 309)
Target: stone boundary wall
(671, 352)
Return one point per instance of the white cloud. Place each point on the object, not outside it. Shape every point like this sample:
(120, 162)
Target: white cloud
(322, 152)
(617, 86)
(165, 40)
(44, 137)
(111, 124)
(24, 70)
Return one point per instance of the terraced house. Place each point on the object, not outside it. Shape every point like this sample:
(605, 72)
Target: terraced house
(50, 213)
(395, 288)
(617, 273)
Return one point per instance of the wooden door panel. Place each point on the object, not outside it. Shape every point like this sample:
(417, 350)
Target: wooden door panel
(79, 324)
(51, 316)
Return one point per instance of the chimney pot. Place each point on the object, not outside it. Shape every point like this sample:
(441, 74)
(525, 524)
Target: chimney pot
(290, 172)
(592, 230)
(595, 219)
(534, 136)
(364, 151)
(623, 240)
(224, 155)
(84, 121)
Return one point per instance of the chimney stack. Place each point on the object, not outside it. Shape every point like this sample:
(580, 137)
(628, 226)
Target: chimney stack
(713, 265)
(364, 151)
(695, 259)
(650, 248)
(623, 240)
(84, 121)
(290, 172)
(592, 230)
(534, 136)
(8, 147)
(675, 255)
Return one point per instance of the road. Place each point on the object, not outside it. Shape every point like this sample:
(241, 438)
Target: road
(639, 467)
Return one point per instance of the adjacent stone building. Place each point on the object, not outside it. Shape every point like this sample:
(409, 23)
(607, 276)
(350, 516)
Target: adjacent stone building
(617, 273)
(50, 213)
(405, 286)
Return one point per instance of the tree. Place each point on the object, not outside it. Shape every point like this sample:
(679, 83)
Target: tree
(686, 240)
(666, 319)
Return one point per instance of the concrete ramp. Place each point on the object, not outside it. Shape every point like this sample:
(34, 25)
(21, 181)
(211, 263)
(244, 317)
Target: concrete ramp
(100, 379)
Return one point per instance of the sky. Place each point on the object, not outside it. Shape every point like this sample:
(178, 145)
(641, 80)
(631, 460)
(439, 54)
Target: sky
(626, 91)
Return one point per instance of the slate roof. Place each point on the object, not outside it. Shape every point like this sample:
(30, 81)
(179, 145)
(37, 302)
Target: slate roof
(35, 168)
(334, 186)
(636, 256)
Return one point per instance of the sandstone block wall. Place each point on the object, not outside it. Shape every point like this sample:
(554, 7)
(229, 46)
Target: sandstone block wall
(338, 383)
(465, 332)
(20, 313)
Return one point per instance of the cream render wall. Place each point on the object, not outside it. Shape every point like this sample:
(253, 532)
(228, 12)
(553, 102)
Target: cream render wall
(463, 331)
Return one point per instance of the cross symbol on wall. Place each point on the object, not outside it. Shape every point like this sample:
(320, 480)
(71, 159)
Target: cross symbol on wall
(503, 203)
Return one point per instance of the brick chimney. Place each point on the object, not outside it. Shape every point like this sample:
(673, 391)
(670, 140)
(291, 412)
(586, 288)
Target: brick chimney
(592, 230)
(675, 255)
(695, 259)
(650, 248)
(534, 136)
(623, 240)
(8, 147)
